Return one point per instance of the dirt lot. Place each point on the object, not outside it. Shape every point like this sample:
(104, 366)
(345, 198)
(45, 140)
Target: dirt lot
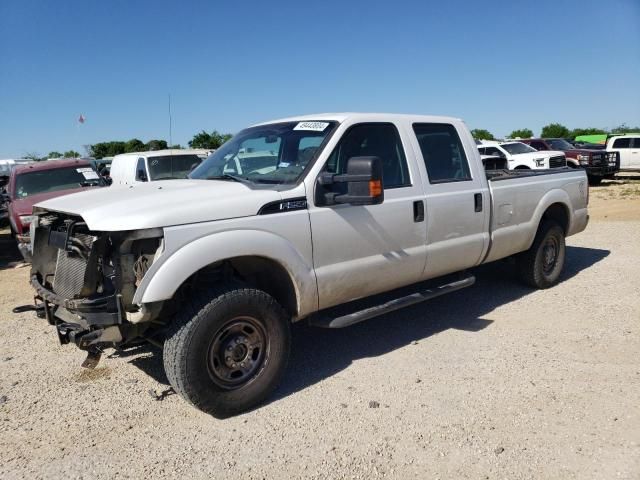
(496, 381)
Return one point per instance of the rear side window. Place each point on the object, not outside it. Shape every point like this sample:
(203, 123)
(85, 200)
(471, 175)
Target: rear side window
(442, 151)
(373, 140)
(622, 143)
(538, 145)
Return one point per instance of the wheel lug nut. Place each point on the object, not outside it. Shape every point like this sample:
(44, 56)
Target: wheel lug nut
(229, 348)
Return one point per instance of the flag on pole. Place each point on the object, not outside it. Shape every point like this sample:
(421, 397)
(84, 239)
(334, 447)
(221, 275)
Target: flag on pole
(81, 118)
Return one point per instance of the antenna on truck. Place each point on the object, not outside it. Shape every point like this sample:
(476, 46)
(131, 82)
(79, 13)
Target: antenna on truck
(170, 141)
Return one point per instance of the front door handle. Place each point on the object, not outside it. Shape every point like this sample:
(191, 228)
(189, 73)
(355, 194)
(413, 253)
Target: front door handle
(478, 202)
(418, 211)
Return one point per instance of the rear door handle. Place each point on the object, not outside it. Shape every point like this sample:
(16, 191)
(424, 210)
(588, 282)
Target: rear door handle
(418, 211)
(478, 202)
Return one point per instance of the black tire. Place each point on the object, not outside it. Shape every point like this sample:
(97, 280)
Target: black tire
(214, 336)
(541, 265)
(595, 181)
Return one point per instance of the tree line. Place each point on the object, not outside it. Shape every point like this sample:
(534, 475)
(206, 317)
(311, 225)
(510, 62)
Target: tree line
(555, 130)
(205, 140)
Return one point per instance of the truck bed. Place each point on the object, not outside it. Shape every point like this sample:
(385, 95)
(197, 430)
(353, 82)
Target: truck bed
(505, 174)
(517, 197)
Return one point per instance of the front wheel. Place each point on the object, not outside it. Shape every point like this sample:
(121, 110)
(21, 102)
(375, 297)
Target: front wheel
(541, 265)
(227, 350)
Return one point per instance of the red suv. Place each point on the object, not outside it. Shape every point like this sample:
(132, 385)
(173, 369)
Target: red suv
(598, 163)
(37, 182)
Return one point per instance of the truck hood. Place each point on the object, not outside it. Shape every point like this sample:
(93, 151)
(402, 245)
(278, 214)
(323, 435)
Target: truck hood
(23, 206)
(162, 204)
(540, 154)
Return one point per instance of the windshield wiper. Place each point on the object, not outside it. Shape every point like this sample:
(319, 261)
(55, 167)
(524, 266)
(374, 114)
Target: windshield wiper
(227, 176)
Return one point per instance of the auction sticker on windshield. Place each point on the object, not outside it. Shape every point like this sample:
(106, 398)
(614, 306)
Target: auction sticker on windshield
(88, 173)
(313, 126)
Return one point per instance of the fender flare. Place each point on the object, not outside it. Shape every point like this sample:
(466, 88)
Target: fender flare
(554, 196)
(169, 272)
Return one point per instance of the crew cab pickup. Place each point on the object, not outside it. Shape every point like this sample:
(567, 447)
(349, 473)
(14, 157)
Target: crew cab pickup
(333, 218)
(520, 156)
(627, 147)
(598, 163)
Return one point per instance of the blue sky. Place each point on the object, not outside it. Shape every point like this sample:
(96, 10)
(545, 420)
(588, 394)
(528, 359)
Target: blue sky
(498, 65)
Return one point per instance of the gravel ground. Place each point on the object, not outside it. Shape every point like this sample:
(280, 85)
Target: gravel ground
(495, 381)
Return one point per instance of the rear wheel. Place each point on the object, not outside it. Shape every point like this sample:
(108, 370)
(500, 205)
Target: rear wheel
(227, 350)
(541, 265)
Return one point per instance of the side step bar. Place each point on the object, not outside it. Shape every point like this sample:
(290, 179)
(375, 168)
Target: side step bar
(324, 320)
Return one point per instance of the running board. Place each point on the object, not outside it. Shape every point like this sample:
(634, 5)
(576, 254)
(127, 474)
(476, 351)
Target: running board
(326, 320)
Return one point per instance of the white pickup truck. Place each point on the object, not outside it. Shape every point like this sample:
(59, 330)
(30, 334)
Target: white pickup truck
(328, 209)
(520, 156)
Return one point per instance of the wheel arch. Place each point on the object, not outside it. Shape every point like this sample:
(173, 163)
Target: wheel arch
(267, 261)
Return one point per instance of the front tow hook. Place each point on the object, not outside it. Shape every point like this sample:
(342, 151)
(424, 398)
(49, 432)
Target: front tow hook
(39, 309)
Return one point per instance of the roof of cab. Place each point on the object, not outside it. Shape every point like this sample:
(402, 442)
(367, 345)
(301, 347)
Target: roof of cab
(165, 153)
(363, 117)
(51, 165)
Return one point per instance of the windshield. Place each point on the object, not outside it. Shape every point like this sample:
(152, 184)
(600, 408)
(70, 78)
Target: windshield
(32, 183)
(560, 144)
(276, 153)
(517, 147)
(172, 166)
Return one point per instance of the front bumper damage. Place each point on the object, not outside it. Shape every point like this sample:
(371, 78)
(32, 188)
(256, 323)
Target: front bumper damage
(86, 322)
(84, 282)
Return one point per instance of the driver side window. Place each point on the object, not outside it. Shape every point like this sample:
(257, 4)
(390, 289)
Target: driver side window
(373, 140)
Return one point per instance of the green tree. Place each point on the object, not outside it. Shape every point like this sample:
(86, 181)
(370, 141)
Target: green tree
(521, 133)
(209, 140)
(71, 154)
(33, 156)
(156, 145)
(134, 145)
(623, 128)
(587, 131)
(481, 134)
(106, 149)
(177, 146)
(54, 154)
(555, 130)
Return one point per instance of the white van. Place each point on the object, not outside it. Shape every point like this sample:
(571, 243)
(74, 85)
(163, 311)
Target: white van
(137, 167)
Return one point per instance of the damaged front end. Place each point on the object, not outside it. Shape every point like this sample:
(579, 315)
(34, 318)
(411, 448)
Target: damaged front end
(85, 281)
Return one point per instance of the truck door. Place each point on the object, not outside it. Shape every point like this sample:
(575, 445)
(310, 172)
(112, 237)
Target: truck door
(360, 250)
(457, 199)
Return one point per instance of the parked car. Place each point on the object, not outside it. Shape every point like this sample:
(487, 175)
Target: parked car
(140, 167)
(598, 163)
(35, 182)
(628, 148)
(521, 156)
(349, 207)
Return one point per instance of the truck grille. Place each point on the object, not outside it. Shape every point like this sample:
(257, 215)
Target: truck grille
(557, 162)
